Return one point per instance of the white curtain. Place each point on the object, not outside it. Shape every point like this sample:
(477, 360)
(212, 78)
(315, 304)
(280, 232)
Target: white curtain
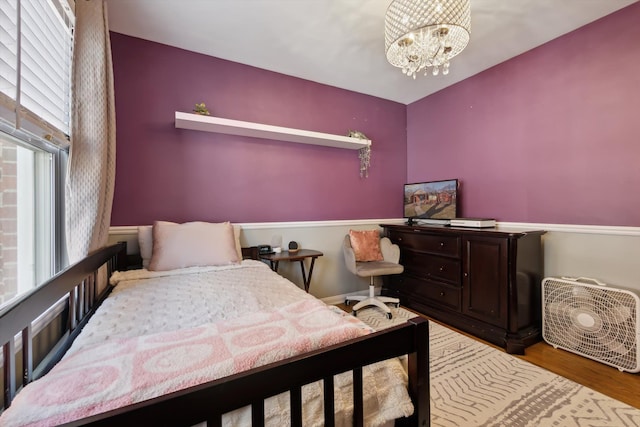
(92, 160)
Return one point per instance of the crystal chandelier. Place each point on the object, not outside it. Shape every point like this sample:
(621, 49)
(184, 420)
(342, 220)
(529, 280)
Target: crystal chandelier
(426, 33)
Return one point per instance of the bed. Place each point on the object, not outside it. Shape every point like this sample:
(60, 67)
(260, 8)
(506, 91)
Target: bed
(226, 344)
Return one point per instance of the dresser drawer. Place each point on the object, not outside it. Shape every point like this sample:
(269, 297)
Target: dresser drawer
(432, 243)
(431, 266)
(428, 291)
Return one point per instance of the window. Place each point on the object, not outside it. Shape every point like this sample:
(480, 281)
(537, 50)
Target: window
(35, 93)
(26, 230)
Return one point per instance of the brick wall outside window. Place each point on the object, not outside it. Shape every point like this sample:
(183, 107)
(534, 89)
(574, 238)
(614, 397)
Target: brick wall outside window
(8, 222)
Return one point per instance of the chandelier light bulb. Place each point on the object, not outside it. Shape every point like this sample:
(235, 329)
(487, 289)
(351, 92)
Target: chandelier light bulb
(426, 33)
(445, 68)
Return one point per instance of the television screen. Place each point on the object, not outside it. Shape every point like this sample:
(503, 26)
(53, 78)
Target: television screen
(431, 200)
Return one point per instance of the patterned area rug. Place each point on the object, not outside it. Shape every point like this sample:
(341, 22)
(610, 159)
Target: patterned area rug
(473, 384)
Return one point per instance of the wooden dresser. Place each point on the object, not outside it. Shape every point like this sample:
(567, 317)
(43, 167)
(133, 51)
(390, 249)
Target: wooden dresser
(483, 281)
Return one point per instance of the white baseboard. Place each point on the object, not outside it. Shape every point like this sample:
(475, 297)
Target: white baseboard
(339, 299)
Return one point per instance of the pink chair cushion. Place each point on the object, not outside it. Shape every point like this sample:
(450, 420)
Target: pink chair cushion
(366, 245)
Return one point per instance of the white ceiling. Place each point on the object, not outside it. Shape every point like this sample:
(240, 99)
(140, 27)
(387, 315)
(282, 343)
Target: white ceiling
(341, 42)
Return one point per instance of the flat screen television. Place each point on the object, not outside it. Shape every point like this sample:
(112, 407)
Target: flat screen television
(433, 200)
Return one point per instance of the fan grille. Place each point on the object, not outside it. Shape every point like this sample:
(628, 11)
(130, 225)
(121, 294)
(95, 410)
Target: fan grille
(594, 321)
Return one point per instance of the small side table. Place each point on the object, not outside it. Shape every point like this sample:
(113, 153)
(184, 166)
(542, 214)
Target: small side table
(300, 255)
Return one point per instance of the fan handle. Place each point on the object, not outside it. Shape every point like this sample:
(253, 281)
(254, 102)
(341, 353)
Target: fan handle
(585, 279)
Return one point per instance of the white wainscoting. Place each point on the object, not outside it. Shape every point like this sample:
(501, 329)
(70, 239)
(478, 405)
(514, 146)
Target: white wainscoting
(609, 254)
(331, 281)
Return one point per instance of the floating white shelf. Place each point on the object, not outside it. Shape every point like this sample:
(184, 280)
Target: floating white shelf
(257, 130)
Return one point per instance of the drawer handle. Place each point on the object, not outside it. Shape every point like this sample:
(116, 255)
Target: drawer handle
(441, 293)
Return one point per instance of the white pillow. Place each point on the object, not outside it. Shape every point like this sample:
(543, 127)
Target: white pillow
(145, 241)
(192, 244)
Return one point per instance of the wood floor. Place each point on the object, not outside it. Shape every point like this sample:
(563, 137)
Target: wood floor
(623, 386)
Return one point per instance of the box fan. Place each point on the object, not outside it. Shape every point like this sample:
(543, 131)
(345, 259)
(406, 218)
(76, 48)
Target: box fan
(586, 317)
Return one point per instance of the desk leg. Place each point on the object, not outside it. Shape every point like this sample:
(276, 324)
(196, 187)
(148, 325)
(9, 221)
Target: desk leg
(307, 279)
(274, 265)
(304, 276)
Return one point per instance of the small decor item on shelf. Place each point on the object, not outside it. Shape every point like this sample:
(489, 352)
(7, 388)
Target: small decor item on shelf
(364, 153)
(357, 134)
(201, 109)
(293, 246)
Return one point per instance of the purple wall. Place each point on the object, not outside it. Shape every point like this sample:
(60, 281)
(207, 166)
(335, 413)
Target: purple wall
(552, 136)
(181, 175)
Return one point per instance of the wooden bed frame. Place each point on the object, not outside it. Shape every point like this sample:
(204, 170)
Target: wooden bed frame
(74, 292)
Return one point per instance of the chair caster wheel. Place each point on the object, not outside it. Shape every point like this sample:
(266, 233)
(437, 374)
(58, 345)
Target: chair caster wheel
(397, 305)
(347, 302)
(389, 316)
(355, 313)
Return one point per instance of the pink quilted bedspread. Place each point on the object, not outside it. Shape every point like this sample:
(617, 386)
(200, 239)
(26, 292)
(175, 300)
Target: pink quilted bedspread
(124, 371)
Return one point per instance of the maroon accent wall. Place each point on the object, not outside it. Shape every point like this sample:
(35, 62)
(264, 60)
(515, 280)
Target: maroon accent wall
(552, 136)
(163, 173)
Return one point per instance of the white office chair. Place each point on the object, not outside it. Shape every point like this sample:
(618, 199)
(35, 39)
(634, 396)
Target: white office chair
(391, 255)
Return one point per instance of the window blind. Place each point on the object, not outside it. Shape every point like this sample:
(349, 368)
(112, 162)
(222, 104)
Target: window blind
(36, 67)
(8, 47)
